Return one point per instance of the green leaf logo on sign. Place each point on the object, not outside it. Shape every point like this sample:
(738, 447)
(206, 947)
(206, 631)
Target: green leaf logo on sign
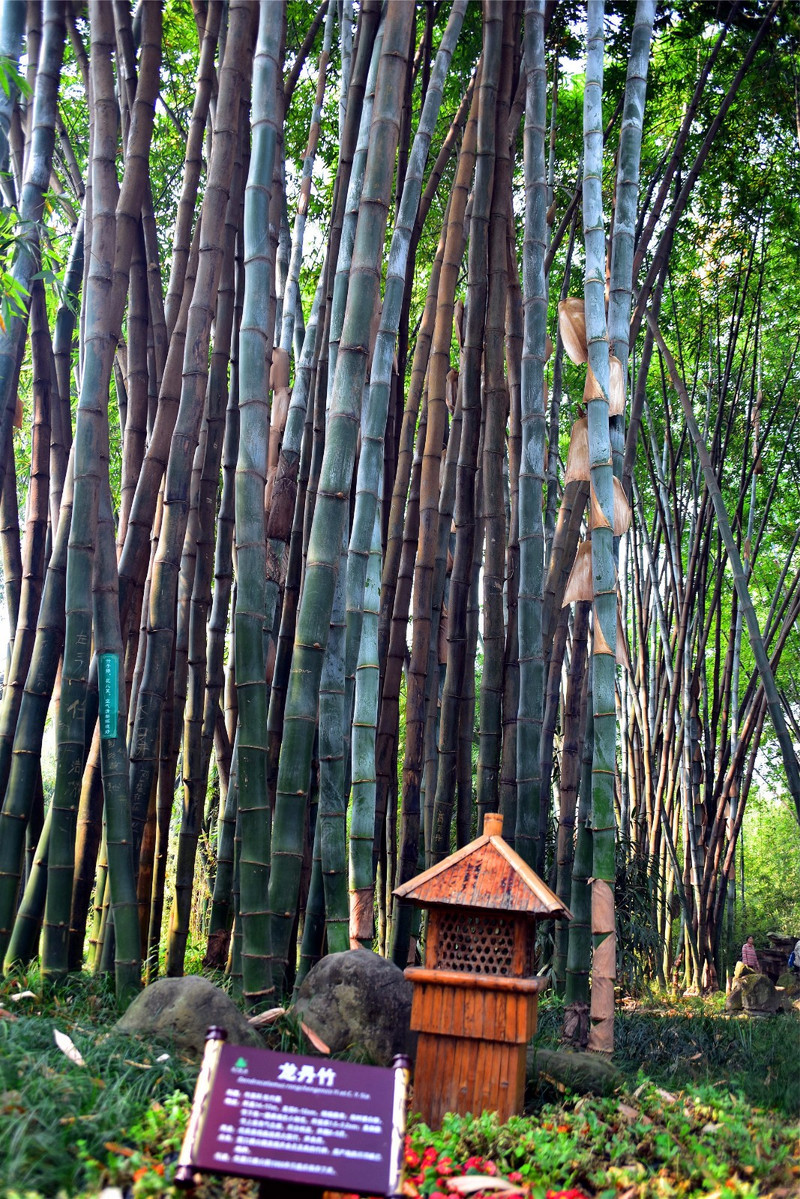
(241, 1064)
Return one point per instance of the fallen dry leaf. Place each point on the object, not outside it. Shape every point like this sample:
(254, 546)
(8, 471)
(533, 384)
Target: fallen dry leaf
(268, 1017)
(23, 995)
(316, 1041)
(122, 1150)
(632, 1113)
(67, 1047)
(469, 1183)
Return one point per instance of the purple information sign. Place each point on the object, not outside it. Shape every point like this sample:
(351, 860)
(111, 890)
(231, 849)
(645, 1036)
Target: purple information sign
(300, 1119)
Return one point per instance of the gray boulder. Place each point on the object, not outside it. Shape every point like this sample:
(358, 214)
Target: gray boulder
(358, 1001)
(733, 1000)
(759, 996)
(586, 1073)
(181, 1010)
(790, 982)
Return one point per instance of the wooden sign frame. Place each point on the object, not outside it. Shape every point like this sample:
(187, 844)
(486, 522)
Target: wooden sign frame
(309, 1123)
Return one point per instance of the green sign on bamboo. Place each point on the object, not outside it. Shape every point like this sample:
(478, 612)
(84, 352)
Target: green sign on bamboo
(108, 667)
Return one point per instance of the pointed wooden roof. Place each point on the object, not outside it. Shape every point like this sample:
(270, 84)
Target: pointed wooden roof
(486, 874)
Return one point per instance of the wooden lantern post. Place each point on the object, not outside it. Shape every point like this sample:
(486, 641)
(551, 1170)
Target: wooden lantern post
(475, 998)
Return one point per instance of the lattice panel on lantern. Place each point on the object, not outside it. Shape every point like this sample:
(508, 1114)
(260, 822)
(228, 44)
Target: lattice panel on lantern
(475, 943)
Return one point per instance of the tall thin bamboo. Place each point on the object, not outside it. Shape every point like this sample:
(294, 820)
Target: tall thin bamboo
(601, 1037)
(370, 461)
(251, 469)
(114, 759)
(32, 199)
(364, 780)
(331, 505)
(90, 439)
(161, 617)
(428, 535)
(496, 401)
(533, 449)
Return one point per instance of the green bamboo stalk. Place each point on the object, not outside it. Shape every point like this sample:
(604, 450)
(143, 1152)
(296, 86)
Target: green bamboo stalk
(370, 463)
(369, 29)
(355, 185)
(331, 509)
(35, 532)
(88, 835)
(626, 205)
(291, 290)
(12, 31)
(223, 551)
(601, 1037)
(514, 337)
(201, 705)
(136, 385)
(445, 737)
(192, 163)
(22, 944)
(161, 617)
(496, 410)
(10, 549)
(428, 535)
(466, 825)
(395, 655)
(576, 992)
(251, 616)
(531, 478)
(114, 219)
(194, 597)
(63, 330)
(31, 720)
(571, 755)
(314, 920)
(222, 911)
(740, 580)
(401, 542)
(114, 761)
(91, 454)
(364, 779)
(346, 49)
(333, 741)
(27, 255)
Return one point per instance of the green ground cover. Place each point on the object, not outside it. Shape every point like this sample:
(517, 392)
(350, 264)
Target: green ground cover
(709, 1107)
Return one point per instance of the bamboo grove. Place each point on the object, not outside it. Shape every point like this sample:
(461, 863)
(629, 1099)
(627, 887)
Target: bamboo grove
(397, 404)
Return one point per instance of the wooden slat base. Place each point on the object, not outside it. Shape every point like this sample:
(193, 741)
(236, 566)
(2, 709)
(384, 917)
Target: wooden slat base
(472, 1044)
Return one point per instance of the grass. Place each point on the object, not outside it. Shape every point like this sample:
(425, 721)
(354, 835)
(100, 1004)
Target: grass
(708, 1108)
(692, 1042)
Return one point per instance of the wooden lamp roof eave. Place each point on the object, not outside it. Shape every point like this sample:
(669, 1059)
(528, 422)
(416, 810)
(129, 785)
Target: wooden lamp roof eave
(520, 890)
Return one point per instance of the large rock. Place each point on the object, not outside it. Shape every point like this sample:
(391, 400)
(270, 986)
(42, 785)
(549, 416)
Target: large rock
(790, 982)
(757, 995)
(359, 1001)
(587, 1073)
(180, 1010)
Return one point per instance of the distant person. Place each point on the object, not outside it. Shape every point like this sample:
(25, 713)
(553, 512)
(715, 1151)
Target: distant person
(796, 956)
(749, 955)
